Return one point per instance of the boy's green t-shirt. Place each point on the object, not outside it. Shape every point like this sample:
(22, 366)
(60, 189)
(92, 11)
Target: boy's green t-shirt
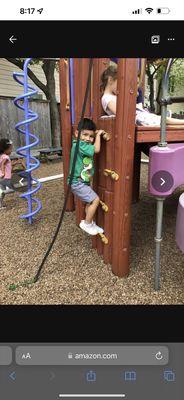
(84, 167)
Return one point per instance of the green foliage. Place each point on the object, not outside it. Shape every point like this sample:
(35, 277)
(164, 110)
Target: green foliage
(176, 77)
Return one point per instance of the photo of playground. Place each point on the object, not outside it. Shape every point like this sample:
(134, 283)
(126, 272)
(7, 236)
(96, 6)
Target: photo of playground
(121, 123)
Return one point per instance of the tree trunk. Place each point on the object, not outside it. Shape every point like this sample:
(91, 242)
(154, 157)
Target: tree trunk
(158, 107)
(49, 90)
(49, 68)
(151, 86)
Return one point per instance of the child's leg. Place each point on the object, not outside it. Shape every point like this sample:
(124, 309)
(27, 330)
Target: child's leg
(91, 210)
(87, 195)
(174, 121)
(1, 197)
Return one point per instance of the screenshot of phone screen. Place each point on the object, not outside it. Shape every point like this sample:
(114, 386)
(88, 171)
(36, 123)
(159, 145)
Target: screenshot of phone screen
(91, 200)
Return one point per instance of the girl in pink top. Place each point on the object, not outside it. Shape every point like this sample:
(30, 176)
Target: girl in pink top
(5, 168)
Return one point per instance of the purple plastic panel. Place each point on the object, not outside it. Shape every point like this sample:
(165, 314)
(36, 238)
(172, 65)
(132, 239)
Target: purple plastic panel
(180, 223)
(166, 169)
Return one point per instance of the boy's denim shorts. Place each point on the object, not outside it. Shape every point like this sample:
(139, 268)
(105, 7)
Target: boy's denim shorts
(83, 192)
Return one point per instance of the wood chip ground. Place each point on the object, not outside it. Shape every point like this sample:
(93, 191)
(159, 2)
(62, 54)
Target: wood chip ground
(74, 273)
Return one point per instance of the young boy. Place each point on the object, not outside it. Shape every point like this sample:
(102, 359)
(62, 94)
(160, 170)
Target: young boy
(89, 144)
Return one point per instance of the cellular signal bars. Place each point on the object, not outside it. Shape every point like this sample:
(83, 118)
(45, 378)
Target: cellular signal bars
(138, 11)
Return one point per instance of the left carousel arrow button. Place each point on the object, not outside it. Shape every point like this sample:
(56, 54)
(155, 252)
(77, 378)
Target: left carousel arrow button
(13, 376)
(12, 39)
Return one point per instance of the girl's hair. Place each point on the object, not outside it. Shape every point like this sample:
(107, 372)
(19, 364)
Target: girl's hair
(4, 145)
(111, 71)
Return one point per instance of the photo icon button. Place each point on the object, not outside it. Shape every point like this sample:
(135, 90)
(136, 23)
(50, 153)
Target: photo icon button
(155, 39)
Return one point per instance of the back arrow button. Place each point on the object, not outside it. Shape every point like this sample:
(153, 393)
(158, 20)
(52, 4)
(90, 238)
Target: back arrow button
(12, 39)
(13, 376)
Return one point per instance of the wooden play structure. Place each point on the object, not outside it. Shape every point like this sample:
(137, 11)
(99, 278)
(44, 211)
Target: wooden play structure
(117, 166)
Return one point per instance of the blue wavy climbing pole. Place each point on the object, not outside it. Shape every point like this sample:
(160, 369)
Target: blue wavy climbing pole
(23, 127)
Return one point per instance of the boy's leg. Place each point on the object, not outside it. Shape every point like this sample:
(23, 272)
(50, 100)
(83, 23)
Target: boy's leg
(87, 195)
(91, 210)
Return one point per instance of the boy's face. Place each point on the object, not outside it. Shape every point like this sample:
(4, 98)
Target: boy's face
(86, 135)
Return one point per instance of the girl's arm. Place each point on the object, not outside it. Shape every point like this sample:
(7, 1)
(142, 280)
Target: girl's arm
(3, 167)
(112, 106)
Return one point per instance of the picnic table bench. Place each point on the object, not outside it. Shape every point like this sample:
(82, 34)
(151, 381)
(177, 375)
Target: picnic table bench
(16, 156)
(46, 154)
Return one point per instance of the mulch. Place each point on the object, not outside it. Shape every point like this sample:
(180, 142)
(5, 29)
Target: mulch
(73, 272)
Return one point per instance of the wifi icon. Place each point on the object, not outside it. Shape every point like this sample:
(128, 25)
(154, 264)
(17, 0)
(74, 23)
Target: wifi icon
(149, 10)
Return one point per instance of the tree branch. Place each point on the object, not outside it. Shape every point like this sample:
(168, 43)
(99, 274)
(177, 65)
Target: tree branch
(32, 76)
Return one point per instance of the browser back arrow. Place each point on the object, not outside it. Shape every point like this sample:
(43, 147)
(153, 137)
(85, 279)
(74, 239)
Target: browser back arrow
(13, 376)
(12, 39)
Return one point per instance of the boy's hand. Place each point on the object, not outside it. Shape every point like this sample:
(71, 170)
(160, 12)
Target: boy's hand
(100, 132)
(106, 136)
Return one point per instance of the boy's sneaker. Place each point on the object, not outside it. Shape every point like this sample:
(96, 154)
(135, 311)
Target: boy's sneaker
(89, 228)
(100, 230)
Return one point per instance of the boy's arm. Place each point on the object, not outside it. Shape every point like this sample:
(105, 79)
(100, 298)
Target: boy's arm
(97, 143)
(3, 167)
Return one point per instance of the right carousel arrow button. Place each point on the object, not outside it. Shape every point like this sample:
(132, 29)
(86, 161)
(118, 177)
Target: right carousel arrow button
(163, 181)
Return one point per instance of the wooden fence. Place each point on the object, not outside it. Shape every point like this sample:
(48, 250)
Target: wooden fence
(10, 115)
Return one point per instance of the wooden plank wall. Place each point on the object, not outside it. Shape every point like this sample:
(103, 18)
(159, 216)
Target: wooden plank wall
(106, 188)
(99, 65)
(10, 115)
(123, 164)
(116, 155)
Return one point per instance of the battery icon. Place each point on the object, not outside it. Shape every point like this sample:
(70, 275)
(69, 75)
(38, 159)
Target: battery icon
(163, 10)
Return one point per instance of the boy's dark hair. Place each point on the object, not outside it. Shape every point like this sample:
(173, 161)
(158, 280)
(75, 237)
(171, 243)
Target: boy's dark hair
(4, 145)
(86, 123)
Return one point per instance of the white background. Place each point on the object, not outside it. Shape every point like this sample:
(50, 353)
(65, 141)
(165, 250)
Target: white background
(91, 10)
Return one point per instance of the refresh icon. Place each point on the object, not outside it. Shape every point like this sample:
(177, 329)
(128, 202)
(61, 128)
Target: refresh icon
(159, 356)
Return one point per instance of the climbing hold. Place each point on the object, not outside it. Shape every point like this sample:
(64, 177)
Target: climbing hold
(104, 206)
(112, 174)
(103, 238)
(106, 136)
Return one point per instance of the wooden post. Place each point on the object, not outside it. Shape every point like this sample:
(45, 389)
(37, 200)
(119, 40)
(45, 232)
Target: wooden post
(137, 171)
(66, 125)
(123, 164)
